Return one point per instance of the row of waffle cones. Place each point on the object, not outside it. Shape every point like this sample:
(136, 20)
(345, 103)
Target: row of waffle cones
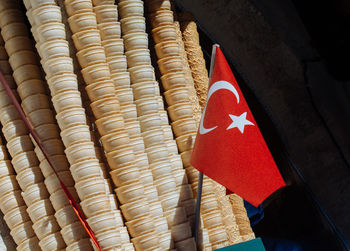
(26, 162)
(175, 194)
(145, 225)
(14, 207)
(148, 230)
(97, 200)
(115, 114)
(153, 154)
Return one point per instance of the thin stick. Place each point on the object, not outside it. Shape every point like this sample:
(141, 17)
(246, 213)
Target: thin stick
(35, 136)
(200, 175)
(198, 207)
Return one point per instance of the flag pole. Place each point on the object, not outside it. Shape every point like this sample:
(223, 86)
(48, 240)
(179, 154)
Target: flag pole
(200, 175)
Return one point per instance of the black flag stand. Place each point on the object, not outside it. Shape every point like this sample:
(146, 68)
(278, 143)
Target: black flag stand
(198, 207)
(200, 175)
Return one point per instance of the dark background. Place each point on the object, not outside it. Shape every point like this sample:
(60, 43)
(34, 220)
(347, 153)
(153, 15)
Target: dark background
(291, 59)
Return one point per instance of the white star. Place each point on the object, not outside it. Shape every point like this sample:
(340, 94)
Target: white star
(239, 122)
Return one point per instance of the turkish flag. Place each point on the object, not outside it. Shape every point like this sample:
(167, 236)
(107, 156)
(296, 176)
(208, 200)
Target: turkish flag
(229, 147)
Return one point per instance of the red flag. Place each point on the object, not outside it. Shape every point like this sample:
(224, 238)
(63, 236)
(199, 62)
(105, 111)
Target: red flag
(229, 147)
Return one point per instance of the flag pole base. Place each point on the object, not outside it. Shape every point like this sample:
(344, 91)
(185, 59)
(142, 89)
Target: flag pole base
(198, 207)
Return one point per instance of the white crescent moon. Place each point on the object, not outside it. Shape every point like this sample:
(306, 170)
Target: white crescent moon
(219, 85)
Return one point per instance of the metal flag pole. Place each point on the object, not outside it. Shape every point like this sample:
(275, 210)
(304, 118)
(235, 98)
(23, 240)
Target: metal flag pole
(200, 175)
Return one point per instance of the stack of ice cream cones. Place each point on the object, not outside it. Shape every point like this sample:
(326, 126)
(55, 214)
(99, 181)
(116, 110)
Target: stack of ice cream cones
(106, 106)
(30, 179)
(43, 120)
(242, 219)
(13, 206)
(86, 170)
(111, 36)
(161, 149)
